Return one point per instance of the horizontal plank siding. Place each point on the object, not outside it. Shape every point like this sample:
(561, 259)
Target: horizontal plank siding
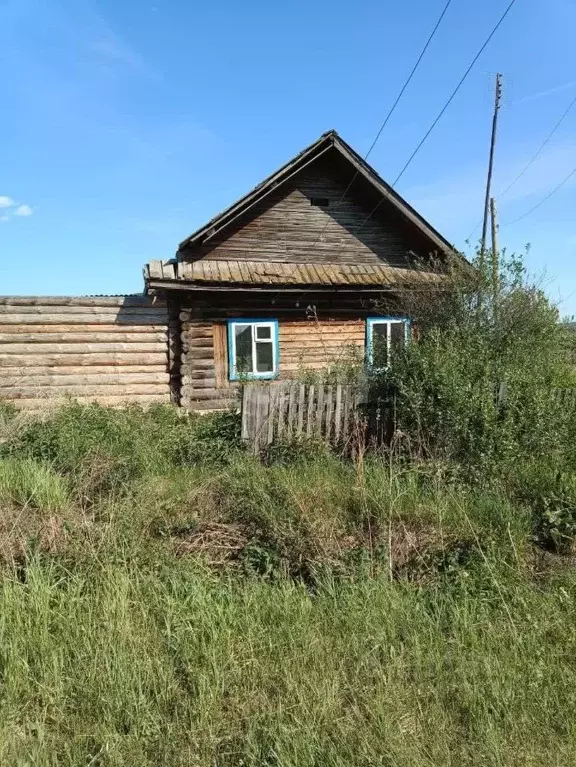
(286, 227)
(110, 349)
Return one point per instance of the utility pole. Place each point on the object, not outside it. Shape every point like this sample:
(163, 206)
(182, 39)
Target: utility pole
(495, 257)
(490, 166)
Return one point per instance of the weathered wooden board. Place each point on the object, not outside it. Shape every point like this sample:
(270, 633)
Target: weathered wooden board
(277, 411)
(287, 227)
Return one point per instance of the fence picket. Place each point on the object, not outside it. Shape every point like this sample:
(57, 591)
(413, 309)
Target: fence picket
(310, 417)
(319, 411)
(301, 401)
(291, 409)
(328, 413)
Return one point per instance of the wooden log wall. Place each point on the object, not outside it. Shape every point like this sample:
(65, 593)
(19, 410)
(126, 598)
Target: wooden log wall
(307, 342)
(111, 349)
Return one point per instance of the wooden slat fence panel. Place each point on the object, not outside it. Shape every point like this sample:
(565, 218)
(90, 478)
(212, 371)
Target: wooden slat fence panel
(284, 410)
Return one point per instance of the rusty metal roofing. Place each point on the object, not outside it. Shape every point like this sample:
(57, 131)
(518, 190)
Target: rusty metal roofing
(262, 273)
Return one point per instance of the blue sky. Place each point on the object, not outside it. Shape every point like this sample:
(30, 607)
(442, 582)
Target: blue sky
(126, 124)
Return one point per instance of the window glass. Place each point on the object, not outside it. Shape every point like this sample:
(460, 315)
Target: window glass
(264, 357)
(383, 337)
(253, 348)
(243, 336)
(263, 332)
(397, 334)
(380, 344)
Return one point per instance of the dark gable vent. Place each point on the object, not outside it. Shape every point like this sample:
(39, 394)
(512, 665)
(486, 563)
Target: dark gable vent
(320, 202)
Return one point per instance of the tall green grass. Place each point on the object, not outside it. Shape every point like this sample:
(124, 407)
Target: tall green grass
(167, 599)
(122, 665)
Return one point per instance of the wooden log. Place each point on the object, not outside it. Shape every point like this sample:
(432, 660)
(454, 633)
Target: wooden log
(134, 348)
(16, 330)
(196, 343)
(200, 383)
(41, 403)
(37, 360)
(148, 318)
(123, 301)
(86, 311)
(204, 394)
(66, 371)
(107, 379)
(94, 337)
(194, 365)
(211, 406)
(194, 332)
(31, 392)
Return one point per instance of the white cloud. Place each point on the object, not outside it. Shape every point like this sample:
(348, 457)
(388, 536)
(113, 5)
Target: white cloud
(548, 92)
(23, 210)
(4, 218)
(6, 202)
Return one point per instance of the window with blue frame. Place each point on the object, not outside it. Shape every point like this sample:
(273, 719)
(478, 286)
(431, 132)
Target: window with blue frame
(252, 348)
(383, 335)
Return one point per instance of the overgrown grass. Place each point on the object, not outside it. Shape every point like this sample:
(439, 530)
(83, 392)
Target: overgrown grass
(167, 599)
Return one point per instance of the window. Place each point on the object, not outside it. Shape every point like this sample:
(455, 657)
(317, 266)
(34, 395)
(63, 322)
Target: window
(320, 202)
(383, 335)
(253, 348)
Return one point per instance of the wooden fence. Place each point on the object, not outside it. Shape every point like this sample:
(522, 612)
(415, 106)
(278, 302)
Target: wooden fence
(333, 413)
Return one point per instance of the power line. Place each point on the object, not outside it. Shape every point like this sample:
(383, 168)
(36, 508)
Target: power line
(548, 196)
(445, 107)
(391, 110)
(389, 114)
(540, 148)
(410, 76)
(532, 160)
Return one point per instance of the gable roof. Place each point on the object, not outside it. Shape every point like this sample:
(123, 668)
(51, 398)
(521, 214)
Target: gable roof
(329, 140)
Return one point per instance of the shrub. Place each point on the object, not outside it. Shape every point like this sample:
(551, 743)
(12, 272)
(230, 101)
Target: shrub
(102, 450)
(548, 489)
(478, 385)
(213, 438)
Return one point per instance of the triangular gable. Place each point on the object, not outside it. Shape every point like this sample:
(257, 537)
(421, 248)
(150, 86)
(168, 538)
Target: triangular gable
(328, 141)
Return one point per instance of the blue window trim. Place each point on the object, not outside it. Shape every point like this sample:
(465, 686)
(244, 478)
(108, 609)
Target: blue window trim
(233, 375)
(371, 321)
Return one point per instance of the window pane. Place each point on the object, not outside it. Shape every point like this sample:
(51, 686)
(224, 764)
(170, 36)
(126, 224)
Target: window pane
(243, 338)
(264, 357)
(397, 334)
(380, 344)
(263, 332)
